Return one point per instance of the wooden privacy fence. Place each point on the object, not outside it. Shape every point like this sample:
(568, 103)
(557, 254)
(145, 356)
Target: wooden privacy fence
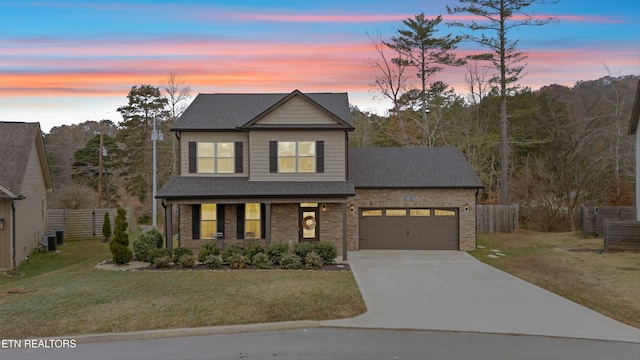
(84, 223)
(593, 217)
(497, 218)
(621, 235)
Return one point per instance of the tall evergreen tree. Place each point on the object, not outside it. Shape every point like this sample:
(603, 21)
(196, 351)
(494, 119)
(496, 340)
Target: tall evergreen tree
(499, 17)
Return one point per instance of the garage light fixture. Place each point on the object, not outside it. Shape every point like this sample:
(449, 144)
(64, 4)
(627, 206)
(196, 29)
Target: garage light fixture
(1, 224)
(324, 207)
(466, 207)
(351, 207)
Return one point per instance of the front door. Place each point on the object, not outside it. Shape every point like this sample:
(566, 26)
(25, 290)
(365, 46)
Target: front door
(308, 221)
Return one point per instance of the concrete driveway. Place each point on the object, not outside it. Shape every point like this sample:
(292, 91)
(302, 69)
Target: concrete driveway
(452, 291)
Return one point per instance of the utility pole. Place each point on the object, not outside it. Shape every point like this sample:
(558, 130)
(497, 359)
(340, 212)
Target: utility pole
(155, 136)
(100, 174)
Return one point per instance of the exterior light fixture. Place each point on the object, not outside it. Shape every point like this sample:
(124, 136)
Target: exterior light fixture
(324, 207)
(1, 224)
(351, 207)
(466, 207)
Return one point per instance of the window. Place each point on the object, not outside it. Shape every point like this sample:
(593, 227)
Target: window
(208, 220)
(215, 157)
(252, 219)
(371, 212)
(396, 212)
(296, 156)
(442, 212)
(420, 212)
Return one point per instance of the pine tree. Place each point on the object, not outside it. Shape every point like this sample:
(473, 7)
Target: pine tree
(106, 227)
(120, 243)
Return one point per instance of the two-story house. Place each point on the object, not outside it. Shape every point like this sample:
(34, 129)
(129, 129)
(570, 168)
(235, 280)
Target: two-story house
(276, 167)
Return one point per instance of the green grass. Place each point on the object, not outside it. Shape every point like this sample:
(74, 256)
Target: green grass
(573, 267)
(72, 297)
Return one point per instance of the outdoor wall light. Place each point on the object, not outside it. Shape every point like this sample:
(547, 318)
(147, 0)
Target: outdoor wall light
(1, 224)
(324, 207)
(351, 207)
(466, 207)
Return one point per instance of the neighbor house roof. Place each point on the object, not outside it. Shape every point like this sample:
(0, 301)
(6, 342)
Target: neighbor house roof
(17, 139)
(185, 187)
(633, 126)
(233, 111)
(411, 168)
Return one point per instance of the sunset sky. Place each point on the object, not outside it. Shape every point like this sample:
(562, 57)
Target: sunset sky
(67, 61)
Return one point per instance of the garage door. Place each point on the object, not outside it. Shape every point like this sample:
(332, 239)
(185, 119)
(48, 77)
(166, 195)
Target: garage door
(409, 229)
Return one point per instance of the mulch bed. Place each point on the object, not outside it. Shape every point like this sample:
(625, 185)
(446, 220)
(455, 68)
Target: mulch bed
(140, 266)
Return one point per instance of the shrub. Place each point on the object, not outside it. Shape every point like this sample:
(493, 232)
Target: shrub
(158, 253)
(187, 260)
(206, 250)
(106, 227)
(327, 251)
(237, 261)
(119, 245)
(276, 251)
(313, 261)
(146, 243)
(162, 262)
(179, 252)
(261, 261)
(302, 249)
(213, 261)
(251, 250)
(290, 261)
(229, 252)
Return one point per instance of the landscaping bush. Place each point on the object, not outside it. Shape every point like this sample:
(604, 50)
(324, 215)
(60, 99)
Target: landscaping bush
(302, 249)
(119, 245)
(158, 253)
(276, 251)
(261, 261)
(251, 250)
(213, 261)
(290, 261)
(162, 262)
(313, 261)
(206, 250)
(146, 243)
(187, 260)
(237, 261)
(327, 251)
(179, 252)
(106, 227)
(229, 252)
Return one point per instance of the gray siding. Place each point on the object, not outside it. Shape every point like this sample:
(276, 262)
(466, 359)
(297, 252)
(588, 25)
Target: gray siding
(5, 235)
(186, 137)
(31, 212)
(296, 111)
(334, 155)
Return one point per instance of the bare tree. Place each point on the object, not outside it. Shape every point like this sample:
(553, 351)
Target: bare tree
(500, 17)
(178, 92)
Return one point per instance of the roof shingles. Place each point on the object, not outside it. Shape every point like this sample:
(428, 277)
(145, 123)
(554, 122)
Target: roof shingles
(17, 139)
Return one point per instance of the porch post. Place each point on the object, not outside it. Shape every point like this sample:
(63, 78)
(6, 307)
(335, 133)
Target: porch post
(168, 224)
(344, 231)
(267, 221)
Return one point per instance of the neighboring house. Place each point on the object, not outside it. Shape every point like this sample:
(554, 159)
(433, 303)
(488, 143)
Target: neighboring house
(24, 183)
(634, 130)
(277, 167)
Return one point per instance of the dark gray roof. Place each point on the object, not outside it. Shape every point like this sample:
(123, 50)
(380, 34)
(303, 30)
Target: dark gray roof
(411, 168)
(184, 187)
(230, 111)
(17, 139)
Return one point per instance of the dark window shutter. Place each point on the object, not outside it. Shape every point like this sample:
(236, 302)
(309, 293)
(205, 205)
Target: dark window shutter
(240, 221)
(319, 156)
(263, 224)
(220, 219)
(192, 156)
(273, 156)
(195, 221)
(238, 151)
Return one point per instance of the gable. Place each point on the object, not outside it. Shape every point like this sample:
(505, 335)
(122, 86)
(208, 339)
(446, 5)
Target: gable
(296, 111)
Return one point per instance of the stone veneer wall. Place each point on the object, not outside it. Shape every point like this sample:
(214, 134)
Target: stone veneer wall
(406, 198)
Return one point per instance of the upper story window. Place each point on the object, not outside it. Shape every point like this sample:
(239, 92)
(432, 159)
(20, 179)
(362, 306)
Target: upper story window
(215, 157)
(296, 156)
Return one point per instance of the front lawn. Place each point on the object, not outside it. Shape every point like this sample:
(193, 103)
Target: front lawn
(572, 267)
(72, 297)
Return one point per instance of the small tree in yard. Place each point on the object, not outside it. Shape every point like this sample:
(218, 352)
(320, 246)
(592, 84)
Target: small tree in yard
(120, 243)
(106, 227)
